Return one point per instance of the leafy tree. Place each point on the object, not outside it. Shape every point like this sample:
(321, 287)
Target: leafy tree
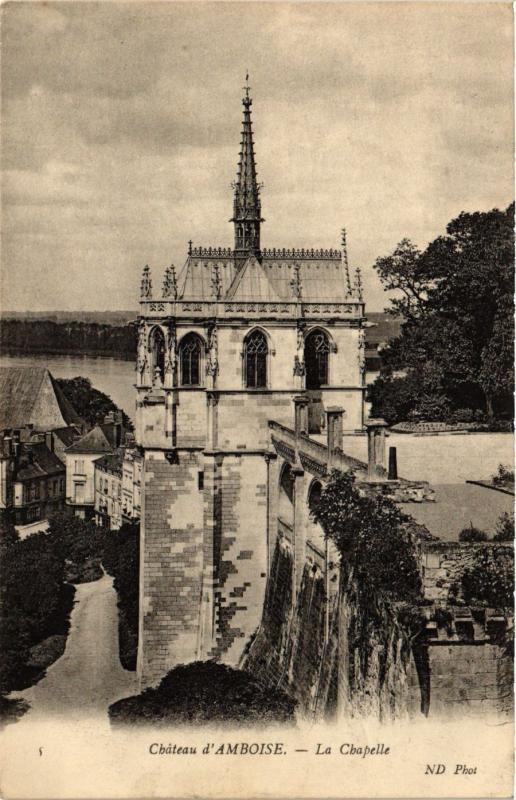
(370, 534)
(91, 404)
(504, 528)
(456, 344)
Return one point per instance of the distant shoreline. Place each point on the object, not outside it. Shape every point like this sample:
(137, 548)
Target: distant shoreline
(29, 353)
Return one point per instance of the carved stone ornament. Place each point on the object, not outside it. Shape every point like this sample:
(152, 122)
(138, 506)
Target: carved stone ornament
(146, 284)
(170, 283)
(299, 366)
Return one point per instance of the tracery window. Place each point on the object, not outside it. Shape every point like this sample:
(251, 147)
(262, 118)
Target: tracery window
(256, 352)
(317, 348)
(190, 352)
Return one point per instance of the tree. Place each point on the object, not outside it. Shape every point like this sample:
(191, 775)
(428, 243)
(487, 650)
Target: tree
(91, 404)
(456, 344)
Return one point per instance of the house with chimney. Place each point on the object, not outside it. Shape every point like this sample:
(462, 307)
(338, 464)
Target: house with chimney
(32, 480)
(103, 440)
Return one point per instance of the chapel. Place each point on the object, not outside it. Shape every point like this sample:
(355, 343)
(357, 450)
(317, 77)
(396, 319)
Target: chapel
(224, 348)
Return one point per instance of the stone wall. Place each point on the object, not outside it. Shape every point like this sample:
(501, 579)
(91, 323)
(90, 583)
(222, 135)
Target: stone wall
(203, 557)
(470, 679)
(241, 554)
(171, 563)
(461, 664)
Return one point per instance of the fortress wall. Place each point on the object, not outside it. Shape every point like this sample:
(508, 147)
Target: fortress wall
(470, 679)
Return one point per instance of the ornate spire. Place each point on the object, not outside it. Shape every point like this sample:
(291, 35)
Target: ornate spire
(146, 284)
(358, 284)
(170, 283)
(345, 262)
(246, 205)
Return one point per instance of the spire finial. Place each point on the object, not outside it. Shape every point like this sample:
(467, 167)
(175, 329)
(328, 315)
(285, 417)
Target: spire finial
(345, 263)
(247, 88)
(146, 284)
(358, 284)
(170, 283)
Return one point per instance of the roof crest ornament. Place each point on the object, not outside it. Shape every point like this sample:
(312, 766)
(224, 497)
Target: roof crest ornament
(358, 284)
(146, 284)
(345, 263)
(170, 283)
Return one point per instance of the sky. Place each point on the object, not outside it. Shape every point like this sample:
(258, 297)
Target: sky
(121, 129)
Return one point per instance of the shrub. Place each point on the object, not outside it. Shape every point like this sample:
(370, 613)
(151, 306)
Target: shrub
(504, 528)
(503, 476)
(35, 604)
(462, 415)
(472, 534)
(206, 692)
(372, 538)
(490, 580)
(122, 561)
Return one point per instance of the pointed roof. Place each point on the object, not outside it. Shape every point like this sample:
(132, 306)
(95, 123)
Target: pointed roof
(195, 279)
(31, 395)
(252, 284)
(95, 441)
(247, 191)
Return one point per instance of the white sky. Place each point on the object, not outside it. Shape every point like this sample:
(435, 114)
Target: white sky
(121, 128)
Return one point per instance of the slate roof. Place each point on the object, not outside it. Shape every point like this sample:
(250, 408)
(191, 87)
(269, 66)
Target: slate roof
(44, 463)
(101, 439)
(67, 435)
(111, 463)
(30, 395)
(322, 278)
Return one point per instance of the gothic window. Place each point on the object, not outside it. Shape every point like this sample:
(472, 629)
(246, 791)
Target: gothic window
(190, 352)
(157, 348)
(317, 348)
(256, 352)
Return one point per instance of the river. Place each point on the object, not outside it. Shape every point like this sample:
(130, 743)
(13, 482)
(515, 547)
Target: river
(112, 376)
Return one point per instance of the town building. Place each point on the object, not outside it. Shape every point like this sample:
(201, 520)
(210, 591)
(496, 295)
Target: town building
(224, 349)
(32, 480)
(118, 488)
(131, 484)
(103, 439)
(108, 491)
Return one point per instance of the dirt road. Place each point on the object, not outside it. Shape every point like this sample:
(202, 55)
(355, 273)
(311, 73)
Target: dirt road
(88, 676)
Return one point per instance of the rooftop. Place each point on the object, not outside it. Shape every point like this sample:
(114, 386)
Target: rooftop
(31, 395)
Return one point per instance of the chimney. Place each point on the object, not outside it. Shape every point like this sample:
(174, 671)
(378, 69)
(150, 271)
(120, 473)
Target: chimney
(334, 417)
(49, 441)
(376, 449)
(301, 414)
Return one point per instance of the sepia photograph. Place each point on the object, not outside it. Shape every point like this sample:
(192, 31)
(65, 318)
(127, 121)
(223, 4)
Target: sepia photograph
(257, 400)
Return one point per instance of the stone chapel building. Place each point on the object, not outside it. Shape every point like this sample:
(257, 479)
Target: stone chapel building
(223, 350)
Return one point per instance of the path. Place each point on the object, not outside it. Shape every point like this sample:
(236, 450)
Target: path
(88, 677)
